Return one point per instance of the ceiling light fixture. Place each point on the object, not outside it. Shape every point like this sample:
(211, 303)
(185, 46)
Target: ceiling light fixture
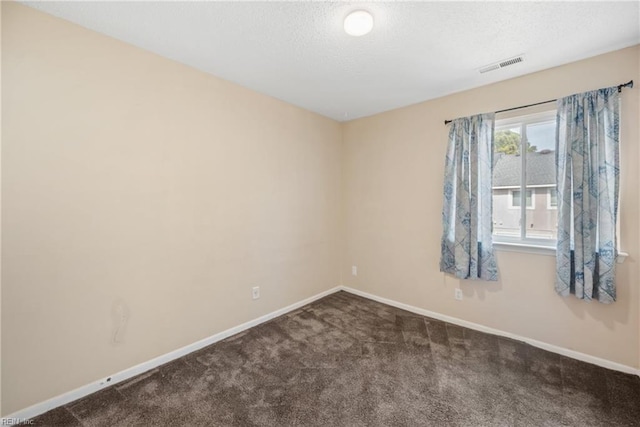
(358, 23)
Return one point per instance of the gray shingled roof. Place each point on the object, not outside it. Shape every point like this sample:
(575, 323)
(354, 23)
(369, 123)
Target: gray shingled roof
(541, 169)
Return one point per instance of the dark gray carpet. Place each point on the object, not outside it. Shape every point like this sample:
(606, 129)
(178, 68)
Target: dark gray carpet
(349, 361)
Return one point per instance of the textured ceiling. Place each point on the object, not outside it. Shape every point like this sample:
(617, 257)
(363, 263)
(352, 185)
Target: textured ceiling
(298, 51)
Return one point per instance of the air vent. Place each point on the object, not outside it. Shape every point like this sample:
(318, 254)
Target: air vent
(502, 64)
(511, 61)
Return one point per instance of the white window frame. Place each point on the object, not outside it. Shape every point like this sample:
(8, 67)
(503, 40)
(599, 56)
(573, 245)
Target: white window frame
(530, 244)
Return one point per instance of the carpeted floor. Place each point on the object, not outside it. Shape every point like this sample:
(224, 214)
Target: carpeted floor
(349, 361)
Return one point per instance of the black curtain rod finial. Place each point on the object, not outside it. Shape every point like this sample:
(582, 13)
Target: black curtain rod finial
(628, 84)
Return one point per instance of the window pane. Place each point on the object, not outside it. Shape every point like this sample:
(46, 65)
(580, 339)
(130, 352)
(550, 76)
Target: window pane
(507, 141)
(541, 219)
(516, 198)
(507, 176)
(541, 136)
(553, 198)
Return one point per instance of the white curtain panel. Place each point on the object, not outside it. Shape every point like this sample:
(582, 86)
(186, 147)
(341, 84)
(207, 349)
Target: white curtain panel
(588, 167)
(467, 250)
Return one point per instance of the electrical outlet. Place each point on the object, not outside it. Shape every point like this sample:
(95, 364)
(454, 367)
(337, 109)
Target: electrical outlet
(458, 294)
(354, 270)
(255, 292)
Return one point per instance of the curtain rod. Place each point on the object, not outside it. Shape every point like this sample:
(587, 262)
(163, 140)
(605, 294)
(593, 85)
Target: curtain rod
(628, 84)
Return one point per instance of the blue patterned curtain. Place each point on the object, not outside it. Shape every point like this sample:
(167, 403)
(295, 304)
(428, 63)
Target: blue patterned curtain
(587, 161)
(467, 251)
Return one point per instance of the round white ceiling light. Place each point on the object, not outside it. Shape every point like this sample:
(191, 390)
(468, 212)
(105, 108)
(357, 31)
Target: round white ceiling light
(358, 23)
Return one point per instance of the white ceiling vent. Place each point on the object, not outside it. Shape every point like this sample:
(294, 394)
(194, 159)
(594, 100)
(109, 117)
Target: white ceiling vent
(502, 64)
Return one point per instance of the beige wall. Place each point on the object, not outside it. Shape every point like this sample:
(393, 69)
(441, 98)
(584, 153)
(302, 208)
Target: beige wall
(131, 179)
(393, 190)
(133, 182)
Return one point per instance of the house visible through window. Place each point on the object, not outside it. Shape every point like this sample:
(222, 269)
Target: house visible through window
(524, 180)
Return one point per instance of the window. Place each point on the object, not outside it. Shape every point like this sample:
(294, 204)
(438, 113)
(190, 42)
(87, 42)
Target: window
(524, 180)
(552, 198)
(516, 199)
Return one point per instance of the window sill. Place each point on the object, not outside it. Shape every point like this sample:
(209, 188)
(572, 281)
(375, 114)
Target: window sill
(525, 247)
(539, 250)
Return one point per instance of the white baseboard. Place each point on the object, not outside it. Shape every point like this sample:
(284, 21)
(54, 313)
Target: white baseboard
(454, 320)
(80, 392)
(63, 399)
